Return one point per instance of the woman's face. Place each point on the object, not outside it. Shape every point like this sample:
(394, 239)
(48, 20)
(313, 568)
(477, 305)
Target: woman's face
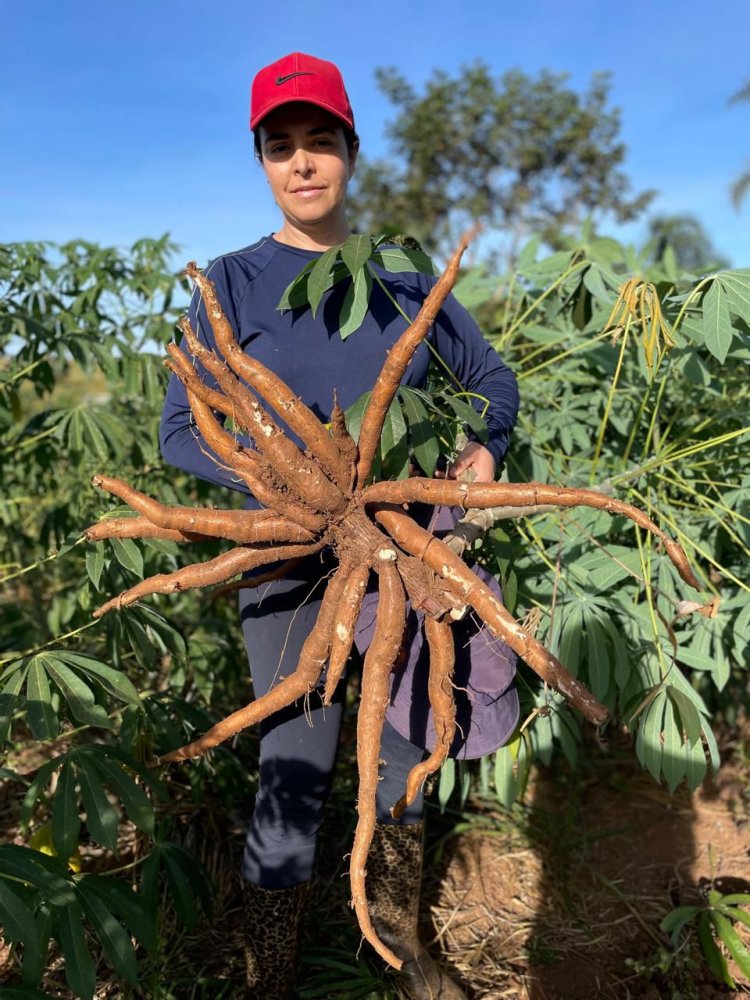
(308, 166)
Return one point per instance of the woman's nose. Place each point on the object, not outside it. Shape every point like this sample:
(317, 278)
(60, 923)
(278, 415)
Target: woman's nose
(302, 161)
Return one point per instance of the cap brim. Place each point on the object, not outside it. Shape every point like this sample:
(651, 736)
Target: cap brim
(272, 105)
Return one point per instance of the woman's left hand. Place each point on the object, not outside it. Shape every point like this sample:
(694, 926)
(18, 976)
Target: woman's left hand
(474, 456)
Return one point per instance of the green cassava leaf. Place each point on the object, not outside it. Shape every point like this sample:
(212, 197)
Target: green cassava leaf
(114, 939)
(717, 325)
(102, 819)
(114, 682)
(570, 637)
(354, 414)
(22, 992)
(696, 765)
(66, 823)
(424, 443)
(95, 564)
(674, 760)
(320, 277)
(129, 905)
(467, 414)
(136, 803)
(16, 919)
(736, 284)
(356, 251)
(689, 720)
(38, 870)
(34, 791)
(597, 655)
(393, 443)
(295, 295)
(398, 259)
(79, 965)
(128, 554)
(356, 301)
(601, 568)
(40, 713)
(648, 744)
(77, 694)
(9, 699)
(446, 782)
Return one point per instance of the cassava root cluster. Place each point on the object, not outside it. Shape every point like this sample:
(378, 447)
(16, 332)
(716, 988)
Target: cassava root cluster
(321, 497)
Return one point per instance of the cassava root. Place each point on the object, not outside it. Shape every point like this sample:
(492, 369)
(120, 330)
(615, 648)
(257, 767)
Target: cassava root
(320, 498)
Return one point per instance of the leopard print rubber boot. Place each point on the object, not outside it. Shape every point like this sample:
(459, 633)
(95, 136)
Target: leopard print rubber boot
(273, 920)
(394, 874)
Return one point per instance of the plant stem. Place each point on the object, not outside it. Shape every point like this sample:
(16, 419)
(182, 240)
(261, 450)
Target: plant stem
(52, 642)
(39, 562)
(686, 541)
(677, 456)
(558, 357)
(26, 442)
(548, 291)
(24, 371)
(655, 411)
(610, 398)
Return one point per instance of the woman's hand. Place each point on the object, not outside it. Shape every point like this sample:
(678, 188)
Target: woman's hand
(474, 456)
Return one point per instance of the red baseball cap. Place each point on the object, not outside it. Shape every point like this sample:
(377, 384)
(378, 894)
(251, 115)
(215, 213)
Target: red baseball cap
(299, 77)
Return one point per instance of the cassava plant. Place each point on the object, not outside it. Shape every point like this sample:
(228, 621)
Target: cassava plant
(325, 496)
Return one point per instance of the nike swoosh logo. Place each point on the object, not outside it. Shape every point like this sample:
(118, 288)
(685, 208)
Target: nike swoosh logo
(290, 76)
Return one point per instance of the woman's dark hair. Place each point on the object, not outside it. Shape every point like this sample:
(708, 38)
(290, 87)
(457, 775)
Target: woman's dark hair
(350, 136)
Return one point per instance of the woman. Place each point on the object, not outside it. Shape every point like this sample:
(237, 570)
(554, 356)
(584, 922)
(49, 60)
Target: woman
(306, 143)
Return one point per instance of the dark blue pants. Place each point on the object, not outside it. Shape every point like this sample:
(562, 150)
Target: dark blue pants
(298, 745)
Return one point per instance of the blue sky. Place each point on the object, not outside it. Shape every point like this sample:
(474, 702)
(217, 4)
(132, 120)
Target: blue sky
(125, 120)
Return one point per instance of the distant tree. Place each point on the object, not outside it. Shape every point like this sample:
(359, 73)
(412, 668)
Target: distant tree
(518, 153)
(688, 239)
(742, 185)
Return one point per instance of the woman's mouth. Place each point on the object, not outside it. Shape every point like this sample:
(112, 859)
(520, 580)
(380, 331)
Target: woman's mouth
(309, 192)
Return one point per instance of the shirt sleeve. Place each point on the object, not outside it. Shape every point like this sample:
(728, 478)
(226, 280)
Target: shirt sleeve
(181, 443)
(480, 369)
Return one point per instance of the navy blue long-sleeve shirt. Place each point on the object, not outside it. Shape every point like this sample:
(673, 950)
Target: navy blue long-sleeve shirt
(310, 356)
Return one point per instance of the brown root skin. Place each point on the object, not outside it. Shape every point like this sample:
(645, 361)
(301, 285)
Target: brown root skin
(440, 692)
(379, 660)
(453, 493)
(195, 386)
(397, 361)
(256, 581)
(296, 415)
(498, 619)
(138, 527)
(311, 663)
(179, 364)
(346, 445)
(343, 632)
(244, 526)
(206, 574)
(303, 476)
(251, 468)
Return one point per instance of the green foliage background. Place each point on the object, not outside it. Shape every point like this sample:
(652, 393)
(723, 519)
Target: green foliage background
(87, 703)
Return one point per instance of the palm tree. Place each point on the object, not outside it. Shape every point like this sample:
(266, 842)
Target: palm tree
(741, 186)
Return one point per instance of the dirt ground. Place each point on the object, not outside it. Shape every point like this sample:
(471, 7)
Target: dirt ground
(560, 900)
(566, 904)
